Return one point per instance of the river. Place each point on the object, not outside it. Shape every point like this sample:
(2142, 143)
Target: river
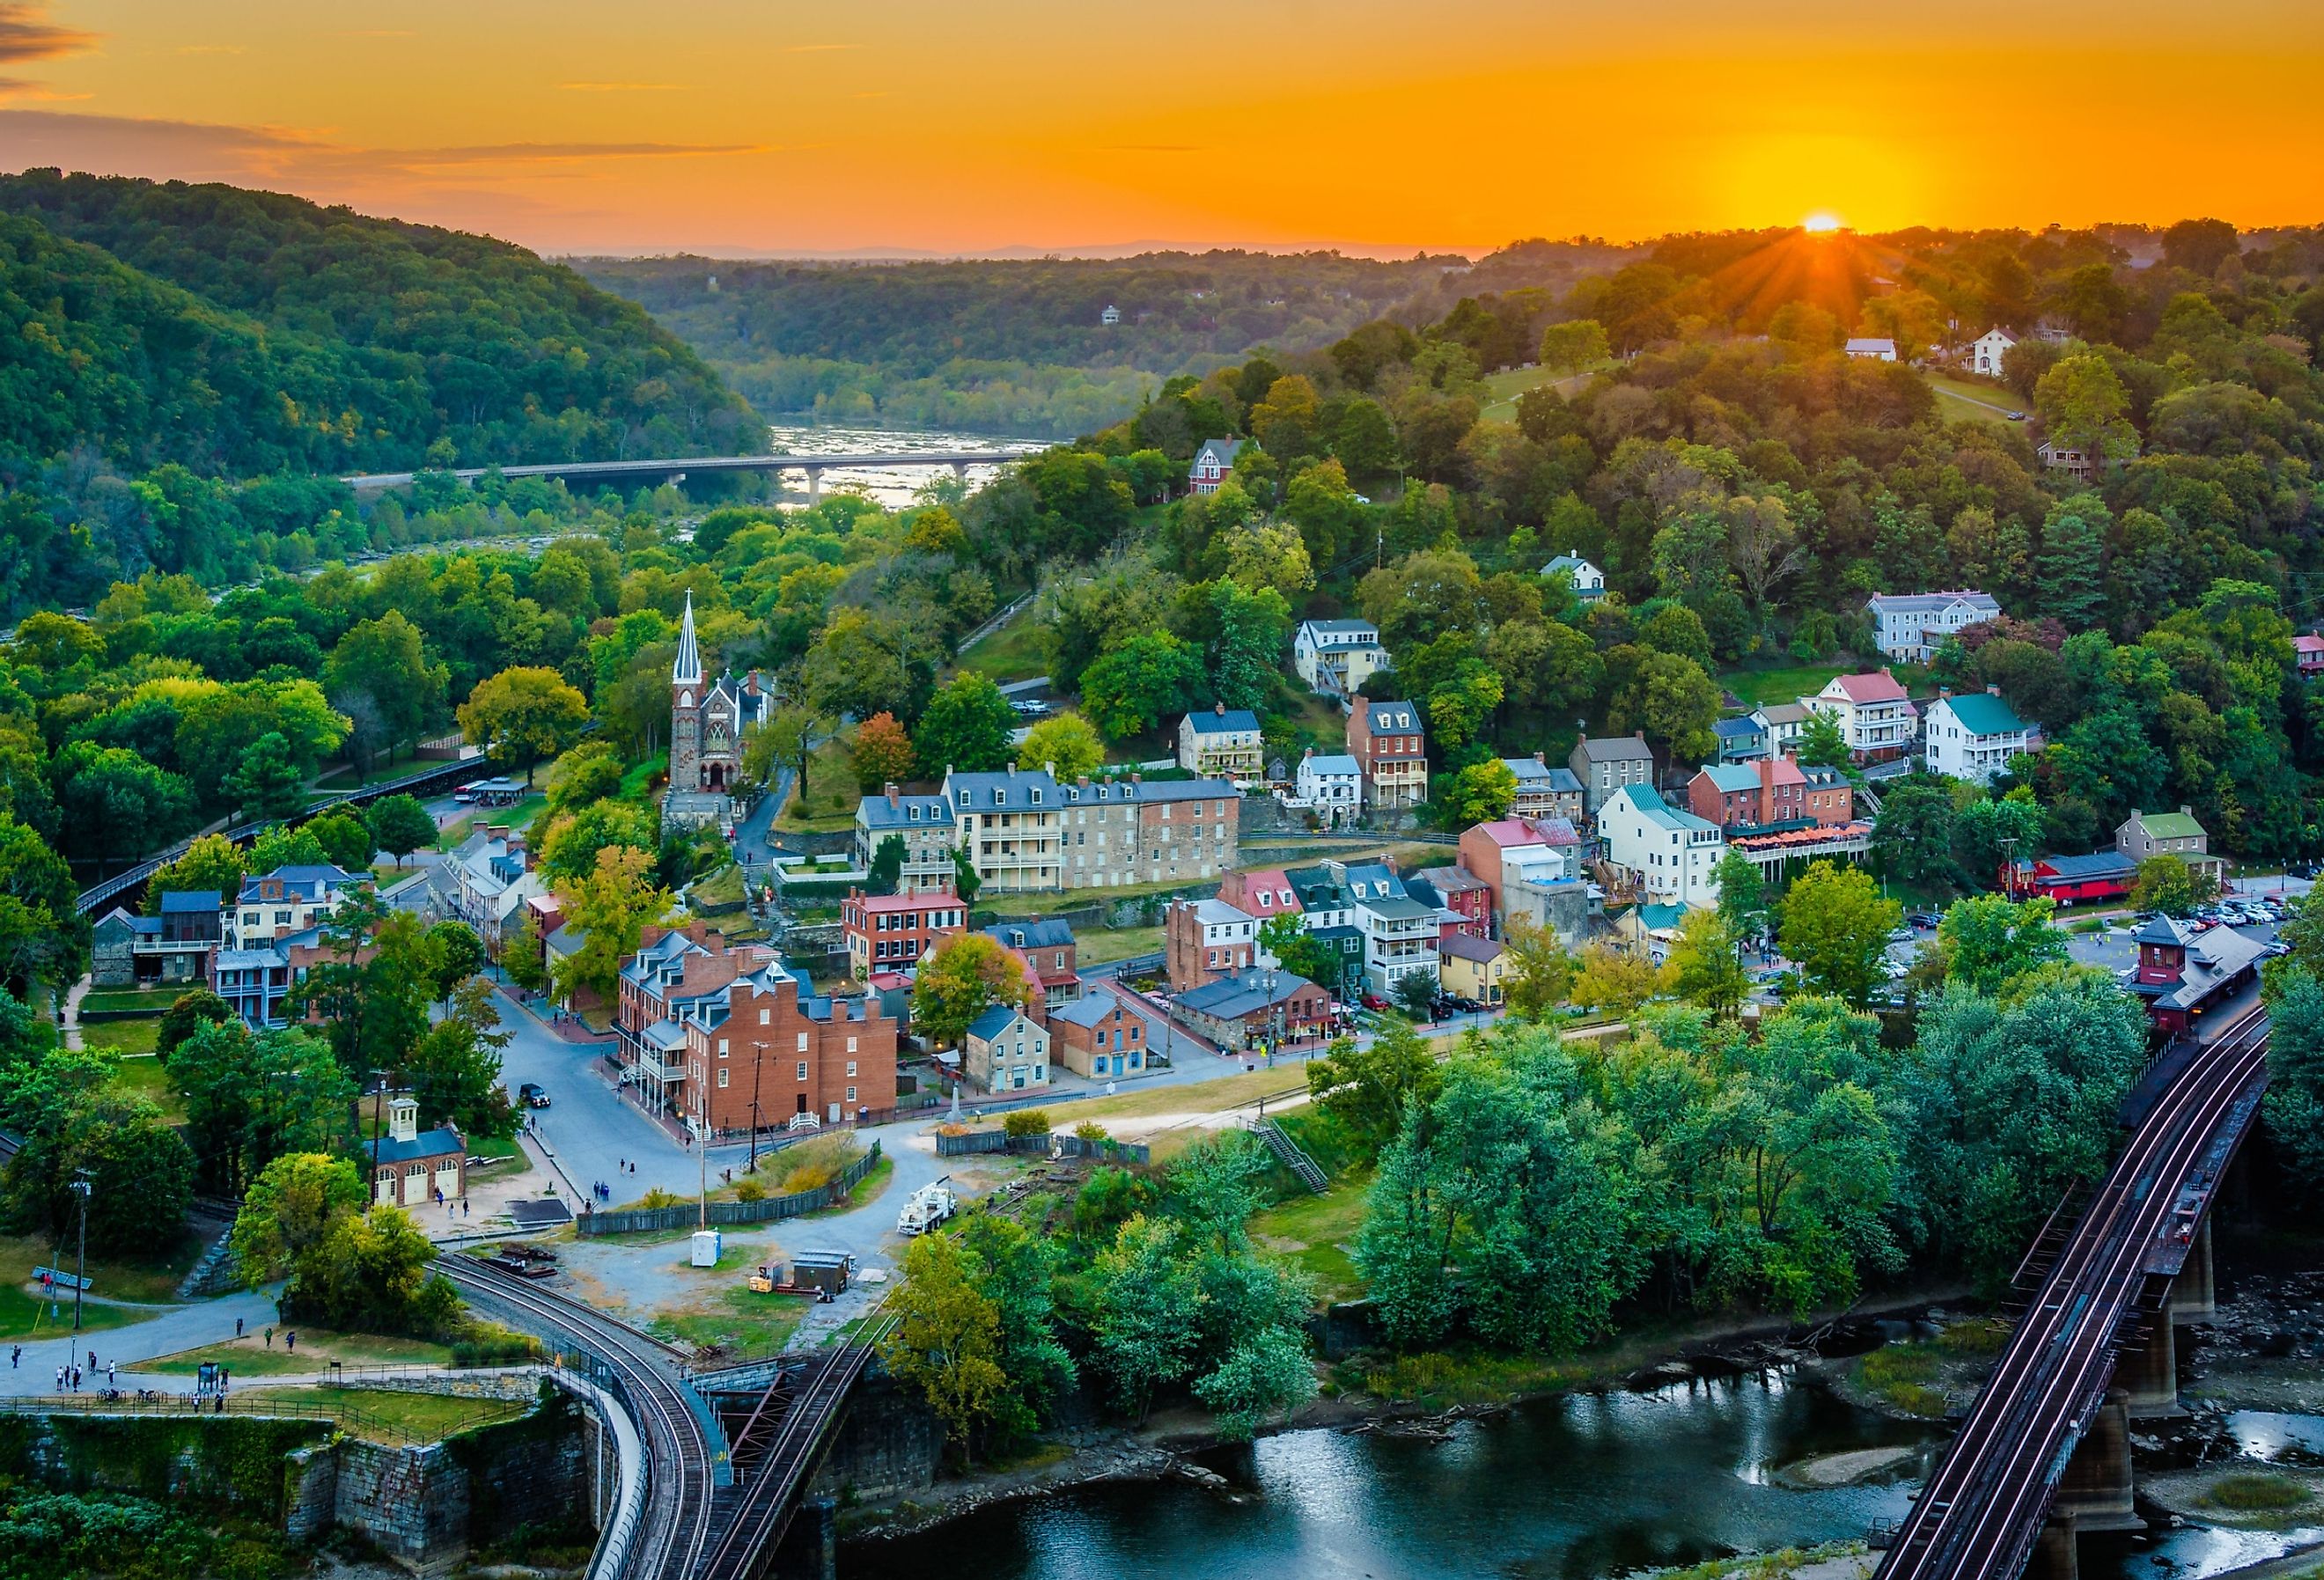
(892, 487)
(1568, 1488)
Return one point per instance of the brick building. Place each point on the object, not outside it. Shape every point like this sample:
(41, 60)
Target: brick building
(1049, 955)
(1390, 745)
(893, 932)
(1204, 939)
(1100, 1036)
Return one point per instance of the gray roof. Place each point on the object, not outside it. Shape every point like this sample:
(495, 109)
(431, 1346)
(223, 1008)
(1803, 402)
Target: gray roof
(1384, 715)
(874, 812)
(992, 1022)
(1223, 448)
(1341, 628)
(1783, 712)
(1089, 1010)
(1231, 998)
(302, 882)
(1615, 749)
(1051, 934)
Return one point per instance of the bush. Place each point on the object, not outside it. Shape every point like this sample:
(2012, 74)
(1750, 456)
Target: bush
(1090, 1130)
(2255, 1493)
(657, 1197)
(749, 1190)
(1026, 1122)
(488, 1344)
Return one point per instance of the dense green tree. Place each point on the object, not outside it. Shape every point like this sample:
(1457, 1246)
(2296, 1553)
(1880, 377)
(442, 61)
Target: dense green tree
(966, 727)
(1835, 928)
(401, 825)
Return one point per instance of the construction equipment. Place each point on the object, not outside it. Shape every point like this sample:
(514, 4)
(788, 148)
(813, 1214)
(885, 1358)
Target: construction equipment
(928, 1207)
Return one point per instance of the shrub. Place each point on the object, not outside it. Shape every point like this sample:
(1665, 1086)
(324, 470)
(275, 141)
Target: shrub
(2255, 1493)
(749, 1190)
(488, 1344)
(1090, 1130)
(657, 1197)
(1026, 1122)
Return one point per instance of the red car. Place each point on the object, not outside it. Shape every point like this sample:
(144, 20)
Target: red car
(1372, 1000)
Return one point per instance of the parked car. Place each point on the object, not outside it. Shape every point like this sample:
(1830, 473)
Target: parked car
(2017, 417)
(531, 1095)
(1925, 919)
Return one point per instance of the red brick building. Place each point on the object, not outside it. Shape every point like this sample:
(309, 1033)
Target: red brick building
(1204, 939)
(1049, 956)
(1389, 744)
(1460, 892)
(1100, 1036)
(893, 932)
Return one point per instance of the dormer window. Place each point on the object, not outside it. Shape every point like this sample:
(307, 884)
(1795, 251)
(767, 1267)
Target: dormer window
(1000, 798)
(1037, 798)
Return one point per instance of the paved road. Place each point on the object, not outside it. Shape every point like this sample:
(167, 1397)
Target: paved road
(167, 1331)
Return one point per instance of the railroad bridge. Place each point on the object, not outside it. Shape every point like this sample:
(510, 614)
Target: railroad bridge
(2044, 1452)
(677, 469)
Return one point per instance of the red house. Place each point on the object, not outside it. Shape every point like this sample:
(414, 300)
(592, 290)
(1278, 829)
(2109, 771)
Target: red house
(2072, 879)
(1461, 892)
(2309, 650)
(892, 932)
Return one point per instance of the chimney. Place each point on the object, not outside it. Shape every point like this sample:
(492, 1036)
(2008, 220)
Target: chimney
(895, 794)
(2185, 810)
(1137, 778)
(1082, 780)
(1305, 755)
(1640, 735)
(1538, 757)
(1944, 693)
(1219, 708)
(1012, 770)
(1993, 691)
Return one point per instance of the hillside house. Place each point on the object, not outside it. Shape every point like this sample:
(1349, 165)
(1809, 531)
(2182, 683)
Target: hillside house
(1390, 746)
(1909, 627)
(1665, 854)
(1606, 764)
(1589, 581)
(1212, 463)
(1222, 743)
(1875, 717)
(1988, 350)
(1972, 737)
(1337, 656)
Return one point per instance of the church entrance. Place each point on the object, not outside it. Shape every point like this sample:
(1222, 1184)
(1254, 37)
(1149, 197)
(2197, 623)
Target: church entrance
(714, 776)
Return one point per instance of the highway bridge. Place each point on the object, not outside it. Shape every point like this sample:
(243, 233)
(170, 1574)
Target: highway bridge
(2043, 1453)
(676, 468)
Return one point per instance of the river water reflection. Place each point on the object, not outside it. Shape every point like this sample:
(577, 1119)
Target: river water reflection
(1582, 1485)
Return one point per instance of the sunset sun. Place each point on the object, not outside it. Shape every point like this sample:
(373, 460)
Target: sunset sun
(1819, 224)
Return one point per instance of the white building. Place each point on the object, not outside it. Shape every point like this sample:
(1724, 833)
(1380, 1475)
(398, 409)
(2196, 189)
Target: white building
(1875, 717)
(1005, 1051)
(1589, 581)
(2059, 457)
(1223, 744)
(1871, 349)
(1332, 786)
(1670, 857)
(1212, 463)
(1985, 351)
(1780, 723)
(1911, 626)
(1399, 932)
(1112, 315)
(1972, 736)
(1337, 655)
(1667, 853)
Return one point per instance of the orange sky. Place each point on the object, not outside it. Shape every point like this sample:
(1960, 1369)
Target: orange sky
(775, 125)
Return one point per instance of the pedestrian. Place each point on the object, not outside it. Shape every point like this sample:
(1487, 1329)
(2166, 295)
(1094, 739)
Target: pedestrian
(61, 1379)
(290, 1341)
(238, 1327)
(92, 1360)
(269, 1338)
(225, 1375)
(109, 1379)
(16, 1357)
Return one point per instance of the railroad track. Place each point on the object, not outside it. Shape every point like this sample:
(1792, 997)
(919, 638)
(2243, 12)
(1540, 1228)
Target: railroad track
(680, 1477)
(770, 1495)
(1983, 1510)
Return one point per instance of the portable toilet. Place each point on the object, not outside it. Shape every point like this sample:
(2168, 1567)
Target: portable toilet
(707, 1244)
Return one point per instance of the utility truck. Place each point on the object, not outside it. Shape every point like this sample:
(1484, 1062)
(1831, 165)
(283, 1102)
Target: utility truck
(929, 1205)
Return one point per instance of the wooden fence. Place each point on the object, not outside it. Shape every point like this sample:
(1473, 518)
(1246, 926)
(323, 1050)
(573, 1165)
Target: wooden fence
(722, 1214)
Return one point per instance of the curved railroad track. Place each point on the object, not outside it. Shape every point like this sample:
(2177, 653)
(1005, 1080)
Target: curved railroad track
(676, 1532)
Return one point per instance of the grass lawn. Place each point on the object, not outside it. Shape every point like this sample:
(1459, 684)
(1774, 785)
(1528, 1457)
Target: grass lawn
(1018, 651)
(1503, 388)
(429, 1417)
(1974, 400)
(143, 1074)
(1208, 1097)
(735, 1319)
(517, 816)
(1788, 684)
(1317, 1234)
(1117, 944)
(829, 805)
(867, 1190)
(23, 1315)
(130, 1038)
(141, 1001)
(641, 775)
(250, 1353)
(481, 1147)
(147, 1282)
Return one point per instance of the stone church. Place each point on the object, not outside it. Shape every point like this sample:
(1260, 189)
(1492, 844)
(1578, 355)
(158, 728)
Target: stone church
(707, 719)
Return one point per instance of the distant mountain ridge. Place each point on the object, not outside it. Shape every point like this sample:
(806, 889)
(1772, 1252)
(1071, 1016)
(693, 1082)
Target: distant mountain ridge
(239, 333)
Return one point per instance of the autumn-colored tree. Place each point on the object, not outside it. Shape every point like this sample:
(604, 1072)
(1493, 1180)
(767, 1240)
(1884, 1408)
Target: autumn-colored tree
(882, 753)
(1064, 744)
(967, 975)
(1615, 980)
(1540, 972)
(611, 907)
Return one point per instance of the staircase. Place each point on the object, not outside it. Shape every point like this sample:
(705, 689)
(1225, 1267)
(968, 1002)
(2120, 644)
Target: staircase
(1288, 1153)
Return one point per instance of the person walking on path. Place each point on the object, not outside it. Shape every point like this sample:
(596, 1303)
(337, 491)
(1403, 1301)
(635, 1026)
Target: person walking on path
(238, 1327)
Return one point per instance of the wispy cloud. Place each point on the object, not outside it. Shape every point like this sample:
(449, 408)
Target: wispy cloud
(26, 33)
(621, 87)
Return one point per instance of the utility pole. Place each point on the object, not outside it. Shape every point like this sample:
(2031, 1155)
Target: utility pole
(702, 1150)
(81, 1188)
(378, 1096)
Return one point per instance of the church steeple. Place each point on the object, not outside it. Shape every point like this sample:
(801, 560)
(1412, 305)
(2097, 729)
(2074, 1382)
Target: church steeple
(687, 670)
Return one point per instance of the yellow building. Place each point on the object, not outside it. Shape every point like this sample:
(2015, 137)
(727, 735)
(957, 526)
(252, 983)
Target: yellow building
(1472, 968)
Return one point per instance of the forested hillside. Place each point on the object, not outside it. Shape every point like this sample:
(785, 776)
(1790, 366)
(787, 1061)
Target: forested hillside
(167, 343)
(1020, 347)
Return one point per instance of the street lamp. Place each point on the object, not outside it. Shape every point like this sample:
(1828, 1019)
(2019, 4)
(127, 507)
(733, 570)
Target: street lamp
(81, 1188)
(1274, 1019)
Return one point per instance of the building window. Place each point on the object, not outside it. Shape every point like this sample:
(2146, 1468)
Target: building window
(850, 1067)
(850, 1045)
(721, 1047)
(802, 1070)
(722, 1079)
(802, 1042)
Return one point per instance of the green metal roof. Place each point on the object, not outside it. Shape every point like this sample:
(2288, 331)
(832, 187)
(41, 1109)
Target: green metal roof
(1981, 712)
(2171, 826)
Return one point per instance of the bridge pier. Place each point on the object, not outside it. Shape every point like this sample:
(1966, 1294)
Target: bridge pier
(814, 485)
(2095, 1492)
(960, 471)
(2056, 1556)
(2194, 1293)
(2149, 1375)
(810, 1549)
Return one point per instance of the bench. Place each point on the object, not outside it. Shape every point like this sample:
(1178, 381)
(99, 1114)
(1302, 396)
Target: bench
(59, 1279)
